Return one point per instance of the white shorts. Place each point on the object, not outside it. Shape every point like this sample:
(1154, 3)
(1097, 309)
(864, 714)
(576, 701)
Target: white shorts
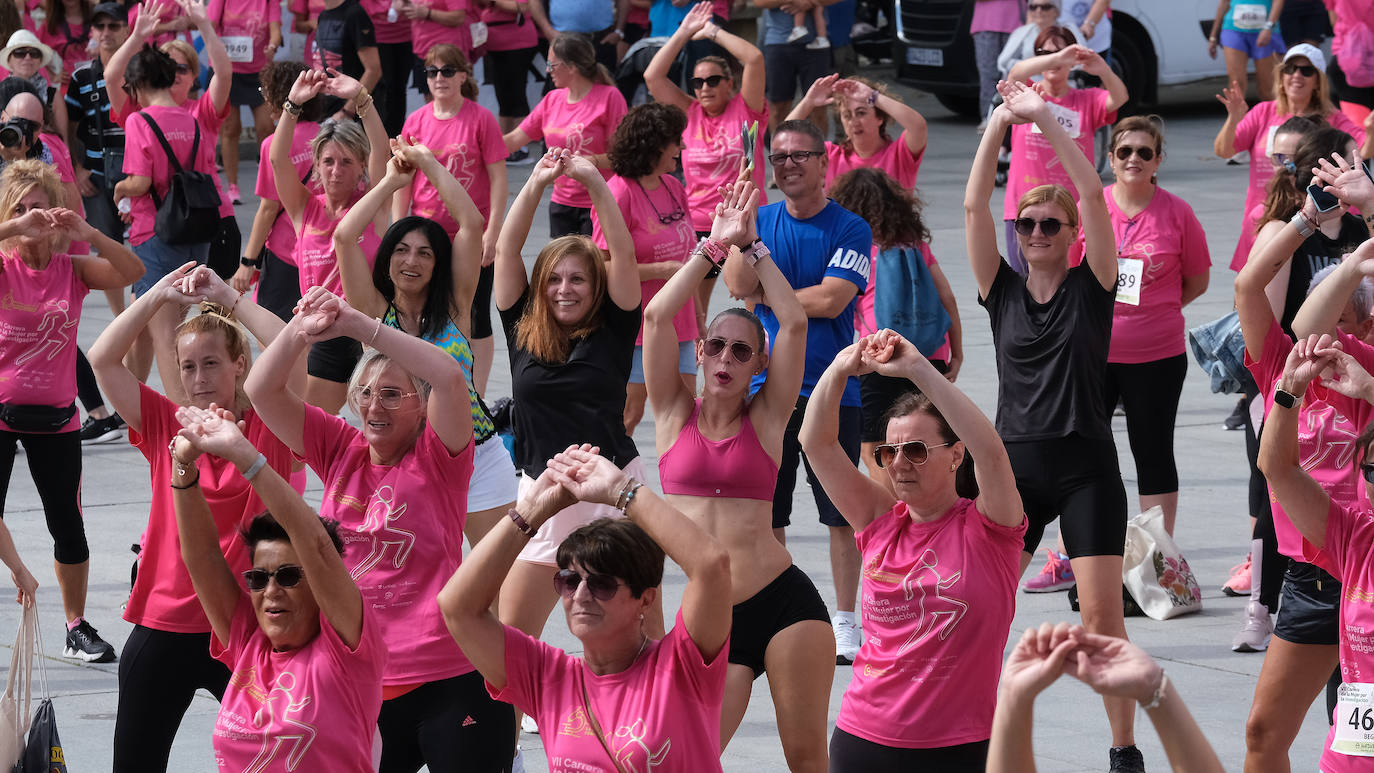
(543, 549)
(493, 482)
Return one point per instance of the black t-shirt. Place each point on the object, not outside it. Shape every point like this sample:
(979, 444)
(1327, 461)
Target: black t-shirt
(578, 401)
(1051, 357)
(1316, 253)
(340, 34)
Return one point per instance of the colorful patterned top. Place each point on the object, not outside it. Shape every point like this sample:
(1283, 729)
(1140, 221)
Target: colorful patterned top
(455, 343)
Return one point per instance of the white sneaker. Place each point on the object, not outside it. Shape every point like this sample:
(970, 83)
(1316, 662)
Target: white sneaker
(1254, 633)
(528, 724)
(818, 43)
(797, 33)
(517, 765)
(847, 640)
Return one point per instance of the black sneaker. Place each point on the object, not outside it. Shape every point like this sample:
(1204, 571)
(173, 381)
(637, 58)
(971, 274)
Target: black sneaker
(83, 643)
(519, 157)
(1237, 418)
(1126, 759)
(104, 430)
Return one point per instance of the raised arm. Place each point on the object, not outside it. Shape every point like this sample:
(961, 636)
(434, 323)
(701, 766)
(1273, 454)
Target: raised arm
(1093, 64)
(215, 52)
(980, 230)
(216, 586)
(467, 243)
(912, 122)
(139, 33)
(268, 384)
(203, 284)
(1233, 99)
(772, 406)
(821, 93)
(622, 281)
(510, 280)
(336, 84)
(656, 74)
(751, 61)
(290, 190)
(1321, 311)
(1269, 259)
(359, 289)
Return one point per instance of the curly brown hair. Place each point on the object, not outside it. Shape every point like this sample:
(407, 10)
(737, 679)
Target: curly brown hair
(893, 212)
(642, 136)
(276, 80)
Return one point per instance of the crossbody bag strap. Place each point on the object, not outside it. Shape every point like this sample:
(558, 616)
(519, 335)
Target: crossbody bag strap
(596, 726)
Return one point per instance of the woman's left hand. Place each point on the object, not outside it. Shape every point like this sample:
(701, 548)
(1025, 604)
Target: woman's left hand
(581, 169)
(214, 431)
(318, 314)
(1306, 361)
(887, 353)
(736, 214)
(587, 475)
(411, 151)
(203, 284)
(1346, 180)
(856, 92)
(195, 11)
(71, 224)
(1039, 658)
(340, 85)
(1114, 667)
(27, 586)
(544, 499)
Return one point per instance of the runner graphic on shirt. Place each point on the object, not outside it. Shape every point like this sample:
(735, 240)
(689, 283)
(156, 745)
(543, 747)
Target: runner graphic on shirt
(1329, 433)
(930, 608)
(633, 734)
(460, 162)
(278, 704)
(56, 320)
(382, 512)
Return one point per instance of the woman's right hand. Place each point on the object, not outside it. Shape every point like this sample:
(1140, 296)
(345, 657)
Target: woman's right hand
(203, 284)
(320, 313)
(851, 360)
(399, 173)
(736, 213)
(696, 20)
(1022, 101)
(822, 91)
(1234, 100)
(242, 280)
(26, 584)
(587, 475)
(1039, 658)
(214, 431)
(307, 86)
(550, 167)
(148, 17)
(1348, 181)
(1306, 361)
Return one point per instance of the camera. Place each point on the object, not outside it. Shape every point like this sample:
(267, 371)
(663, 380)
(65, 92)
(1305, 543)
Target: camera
(17, 131)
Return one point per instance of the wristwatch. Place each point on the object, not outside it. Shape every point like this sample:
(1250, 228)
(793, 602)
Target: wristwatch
(1286, 399)
(1269, 26)
(251, 263)
(1304, 225)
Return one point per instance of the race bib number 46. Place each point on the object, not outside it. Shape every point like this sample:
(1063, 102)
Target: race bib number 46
(1354, 720)
(1129, 273)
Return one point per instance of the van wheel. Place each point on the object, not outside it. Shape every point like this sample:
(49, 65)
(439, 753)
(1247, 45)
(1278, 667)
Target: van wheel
(1133, 64)
(961, 105)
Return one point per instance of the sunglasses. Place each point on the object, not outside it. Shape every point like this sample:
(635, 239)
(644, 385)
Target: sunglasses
(183, 69)
(1047, 51)
(27, 53)
(1041, 7)
(109, 25)
(551, 66)
(1367, 470)
(447, 71)
(1306, 70)
(798, 157)
(915, 451)
(739, 350)
(1026, 226)
(602, 586)
(288, 576)
(389, 398)
(710, 80)
(1124, 152)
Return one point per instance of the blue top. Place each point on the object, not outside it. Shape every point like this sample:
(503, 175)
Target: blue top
(586, 16)
(665, 18)
(839, 22)
(778, 25)
(833, 243)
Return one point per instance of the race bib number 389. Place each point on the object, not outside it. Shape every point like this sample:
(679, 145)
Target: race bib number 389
(1129, 273)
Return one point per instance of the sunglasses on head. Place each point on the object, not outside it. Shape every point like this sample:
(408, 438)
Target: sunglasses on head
(390, 398)
(710, 80)
(914, 451)
(738, 349)
(288, 576)
(1026, 226)
(1306, 70)
(602, 586)
(798, 157)
(448, 71)
(1124, 152)
(27, 53)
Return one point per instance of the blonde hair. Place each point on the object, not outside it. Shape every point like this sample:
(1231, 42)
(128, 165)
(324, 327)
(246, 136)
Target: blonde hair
(373, 362)
(214, 318)
(21, 177)
(538, 332)
(1051, 194)
(1321, 93)
(188, 52)
(349, 135)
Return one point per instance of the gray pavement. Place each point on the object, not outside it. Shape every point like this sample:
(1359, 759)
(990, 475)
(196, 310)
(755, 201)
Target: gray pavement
(1071, 732)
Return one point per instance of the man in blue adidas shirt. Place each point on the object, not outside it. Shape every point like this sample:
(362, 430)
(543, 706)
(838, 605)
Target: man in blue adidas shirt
(824, 251)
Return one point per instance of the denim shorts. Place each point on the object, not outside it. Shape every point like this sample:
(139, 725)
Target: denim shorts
(161, 259)
(686, 361)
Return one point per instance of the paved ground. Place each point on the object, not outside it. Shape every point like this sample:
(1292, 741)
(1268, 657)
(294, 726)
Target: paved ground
(1071, 734)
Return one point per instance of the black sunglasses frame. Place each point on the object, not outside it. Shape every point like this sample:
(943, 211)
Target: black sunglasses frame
(257, 579)
(1123, 152)
(603, 587)
(710, 80)
(1049, 226)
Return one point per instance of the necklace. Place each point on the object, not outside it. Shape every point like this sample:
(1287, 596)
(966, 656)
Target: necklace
(672, 217)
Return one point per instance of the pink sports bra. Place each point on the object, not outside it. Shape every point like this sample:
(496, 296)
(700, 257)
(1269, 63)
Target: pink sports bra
(736, 467)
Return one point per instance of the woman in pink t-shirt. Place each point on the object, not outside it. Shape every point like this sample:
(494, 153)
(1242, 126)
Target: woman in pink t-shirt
(580, 114)
(436, 22)
(656, 702)
(251, 31)
(306, 652)
(166, 657)
(864, 108)
(43, 291)
(346, 160)
(1079, 111)
(935, 546)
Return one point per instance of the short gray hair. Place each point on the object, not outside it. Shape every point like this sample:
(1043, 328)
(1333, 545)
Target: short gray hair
(373, 361)
(1362, 298)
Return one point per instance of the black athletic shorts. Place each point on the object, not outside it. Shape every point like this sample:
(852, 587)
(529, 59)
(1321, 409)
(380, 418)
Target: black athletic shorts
(789, 599)
(1309, 606)
(1077, 480)
(334, 360)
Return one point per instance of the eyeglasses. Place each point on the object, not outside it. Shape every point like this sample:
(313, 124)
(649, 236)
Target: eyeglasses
(551, 66)
(1124, 152)
(1283, 161)
(109, 25)
(389, 398)
(182, 69)
(1041, 7)
(1306, 70)
(915, 451)
(798, 157)
(738, 349)
(710, 80)
(288, 576)
(602, 586)
(1026, 226)
(447, 71)
(27, 53)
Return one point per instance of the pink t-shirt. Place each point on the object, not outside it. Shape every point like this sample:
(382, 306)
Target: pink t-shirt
(712, 150)
(1348, 14)
(654, 241)
(242, 25)
(281, 240)
(163, 597)
(504, 34)
(895, 159)
(1167, 236)
(866, 319)
(143, 155)
(314, 253)
(310, 709)
(66, 173)
(996, 16)
(387, 31)
(308, 9)
(464, 144)
(1033, 160)
(1255, 133)
(426, 34)
(170, 12)
(927, 672)
(38, 322)
(1349, 557)
(1327, 429)
(662, 713)
(402, 529)
(584, 127)
(68, 42)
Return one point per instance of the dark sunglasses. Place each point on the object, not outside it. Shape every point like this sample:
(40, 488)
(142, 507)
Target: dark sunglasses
(740, 350)
(798, 157)
(1367, 470)
(1124, 152)
(27, 53)
(914, 451)
(288, 576)
(1307, 70)
(109, 25)
(447, 71)
(710, 80)
(602, 586)
(1026, 226)
(1046, 51)
(182, 69)
(1041, 7)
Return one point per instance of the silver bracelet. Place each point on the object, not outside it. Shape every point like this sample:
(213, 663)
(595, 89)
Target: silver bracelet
(258, 464)
(1159, 693)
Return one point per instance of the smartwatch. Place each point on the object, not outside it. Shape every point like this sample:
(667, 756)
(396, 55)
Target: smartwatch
(251, 263)
(1303, 224)
(1286, 399)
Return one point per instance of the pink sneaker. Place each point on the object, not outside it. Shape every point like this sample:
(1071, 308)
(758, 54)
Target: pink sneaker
(1056, 576)
(234, 196)
(1239, 584)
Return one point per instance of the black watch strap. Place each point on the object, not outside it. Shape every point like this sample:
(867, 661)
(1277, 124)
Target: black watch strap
(251, 263)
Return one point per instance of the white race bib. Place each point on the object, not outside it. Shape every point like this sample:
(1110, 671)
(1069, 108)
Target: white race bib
(1068, 119)
(1354, 720)
(479, 33)
(240, 47)
(1249, 17)
(1129, 274)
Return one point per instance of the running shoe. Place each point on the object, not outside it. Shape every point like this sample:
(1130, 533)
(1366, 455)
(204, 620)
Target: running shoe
(818, 44)
(1126, 759)
(106, 430)
(1239, 584)
(1254, 633)
(847, 641)
(1237, 418)
(797, 33)
(519, 157)
(235, 197)
(1056, 576)
(83, 643)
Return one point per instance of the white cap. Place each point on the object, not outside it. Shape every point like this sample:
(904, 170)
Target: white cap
(1310, 52)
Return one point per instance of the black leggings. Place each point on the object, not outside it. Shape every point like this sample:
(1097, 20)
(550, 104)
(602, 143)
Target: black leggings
(397, 60)
(55, 464)
(451, 725)
(159, 672)
(1149, 392)
(1272, 565)
(87, 390)
(851, 754)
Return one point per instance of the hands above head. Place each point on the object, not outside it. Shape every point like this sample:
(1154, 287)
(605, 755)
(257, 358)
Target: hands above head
(821, 91)
(148, 17)
(1348, 181)
(586, 475)
(1023, 101)
(1234, 99)
(545, 498)
(1306, 361)
(736, 214)
(195, 11)
(1313, 215)
(550, 167)
(308, 85)
(322, 315)
(412, 153)
(581, 169)
(1110, 666)
(856, 92)
(213, 431)
(695, 23)
(203, 284)
(336, 84)
(887, 353)
(1091, 61)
